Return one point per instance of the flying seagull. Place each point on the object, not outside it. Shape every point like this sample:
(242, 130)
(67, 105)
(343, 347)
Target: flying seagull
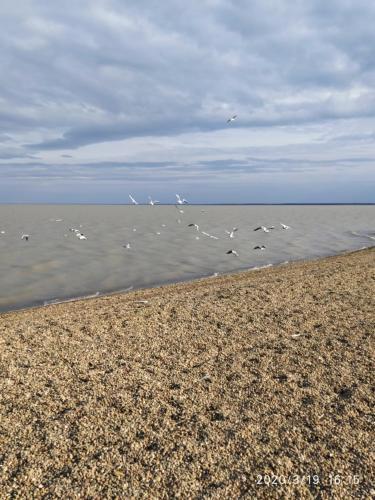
(232, 118)
(133, 200)
(81, 236)
(209, 235)
(231, 233)
(152, 202)
(127, 246)
(233, 252)
(179, 201)
(284, 226)
(260, 247)
(25, 237)
(194, 225)
(263, 228)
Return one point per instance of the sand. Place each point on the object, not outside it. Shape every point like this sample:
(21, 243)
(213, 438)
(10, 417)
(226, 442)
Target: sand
(210, 389)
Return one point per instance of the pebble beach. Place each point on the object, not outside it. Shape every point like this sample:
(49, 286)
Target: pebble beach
(251, 385)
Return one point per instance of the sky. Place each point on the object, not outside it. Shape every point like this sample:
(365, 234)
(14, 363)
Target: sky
(102, 98)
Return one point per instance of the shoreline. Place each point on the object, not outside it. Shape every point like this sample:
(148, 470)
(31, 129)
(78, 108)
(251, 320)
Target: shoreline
(208, 388)
(131, 289)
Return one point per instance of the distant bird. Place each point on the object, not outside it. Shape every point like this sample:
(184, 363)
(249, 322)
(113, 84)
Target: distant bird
(231, 233)
(260, 247)
(284, 226)
(127, 246)
(210, 235)
(2, 232)
(153, 202)
(25, 237)
(263, 228)
(81, 236)
(179, 201)
(194, 225)
(233, 252)
(133, 200)
(232, 118)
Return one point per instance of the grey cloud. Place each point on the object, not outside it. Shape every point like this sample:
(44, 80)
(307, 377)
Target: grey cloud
(162, 172)
(146, 69)
(104, 71)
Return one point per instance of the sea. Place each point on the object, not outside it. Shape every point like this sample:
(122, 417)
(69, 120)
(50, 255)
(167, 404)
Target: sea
(54, 264)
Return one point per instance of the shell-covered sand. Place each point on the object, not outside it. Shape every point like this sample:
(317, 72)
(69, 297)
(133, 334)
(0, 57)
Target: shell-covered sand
(197, 393)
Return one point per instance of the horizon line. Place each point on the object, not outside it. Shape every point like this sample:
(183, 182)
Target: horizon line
(188, 204)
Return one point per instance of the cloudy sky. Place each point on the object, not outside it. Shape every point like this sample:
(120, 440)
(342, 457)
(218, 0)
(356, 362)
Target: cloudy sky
(101, 98)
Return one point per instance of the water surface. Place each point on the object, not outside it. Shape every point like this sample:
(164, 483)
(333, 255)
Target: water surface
(54, 264)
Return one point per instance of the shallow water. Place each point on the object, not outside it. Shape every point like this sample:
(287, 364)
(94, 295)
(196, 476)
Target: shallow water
(54, 264)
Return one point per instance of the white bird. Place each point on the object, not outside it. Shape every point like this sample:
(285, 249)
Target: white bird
(263, 228)
(133, 200)
(284, 226)
(127, 246)
(209, 235)
(233, 252)
(194, 225)
(231, 233)
(152, 202)
(232, 118)
(2, 232)
(260, 247)
(25, 237)
(179, 201)
(81, 236)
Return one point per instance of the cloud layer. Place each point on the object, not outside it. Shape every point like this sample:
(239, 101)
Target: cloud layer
(114, 93)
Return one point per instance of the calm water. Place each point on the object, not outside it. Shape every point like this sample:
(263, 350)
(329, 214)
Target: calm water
(54, 264)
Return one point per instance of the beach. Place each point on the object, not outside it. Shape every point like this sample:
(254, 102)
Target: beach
(251, 385)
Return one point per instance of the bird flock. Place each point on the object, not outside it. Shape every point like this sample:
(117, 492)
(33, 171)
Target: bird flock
(230, 233)
(180, 201)
(180, 205)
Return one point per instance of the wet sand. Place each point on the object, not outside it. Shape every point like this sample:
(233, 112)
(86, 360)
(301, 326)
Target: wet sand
(210, 389)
